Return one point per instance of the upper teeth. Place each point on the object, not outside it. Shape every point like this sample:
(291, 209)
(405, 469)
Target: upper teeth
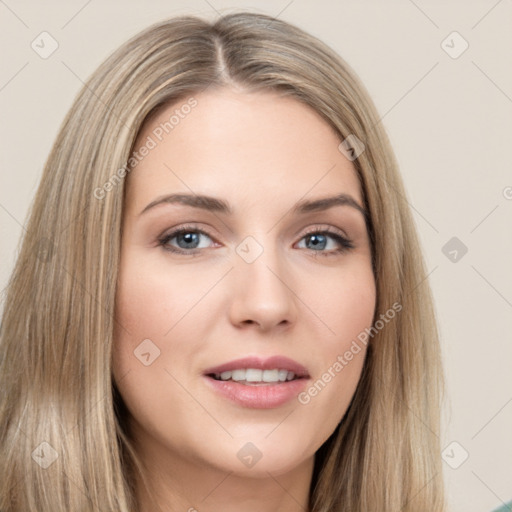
(254, 375)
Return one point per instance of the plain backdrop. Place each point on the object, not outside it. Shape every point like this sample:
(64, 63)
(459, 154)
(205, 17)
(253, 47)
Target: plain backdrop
(448, 113)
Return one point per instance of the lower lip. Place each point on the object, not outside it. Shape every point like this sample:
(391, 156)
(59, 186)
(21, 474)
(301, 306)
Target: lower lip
(264, 396)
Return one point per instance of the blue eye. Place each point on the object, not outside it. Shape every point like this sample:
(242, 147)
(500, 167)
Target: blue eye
(187, 240)
(320, 240)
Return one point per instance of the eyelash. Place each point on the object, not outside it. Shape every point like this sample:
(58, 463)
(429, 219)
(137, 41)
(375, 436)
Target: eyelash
(344, 243)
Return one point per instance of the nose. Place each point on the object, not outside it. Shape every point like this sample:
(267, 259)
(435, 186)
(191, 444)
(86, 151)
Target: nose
(262, 293)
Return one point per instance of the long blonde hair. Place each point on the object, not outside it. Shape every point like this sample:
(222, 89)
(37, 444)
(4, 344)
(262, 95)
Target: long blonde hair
(63, 443)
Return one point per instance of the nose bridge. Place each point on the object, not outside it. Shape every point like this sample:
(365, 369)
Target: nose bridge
(262, 288)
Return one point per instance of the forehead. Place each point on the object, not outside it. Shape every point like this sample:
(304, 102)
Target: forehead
(230, 143)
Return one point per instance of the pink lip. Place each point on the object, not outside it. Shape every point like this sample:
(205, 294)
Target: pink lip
(263, 396)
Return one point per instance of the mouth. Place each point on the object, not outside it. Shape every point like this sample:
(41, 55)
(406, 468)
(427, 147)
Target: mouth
(255, 376)
(258, 383)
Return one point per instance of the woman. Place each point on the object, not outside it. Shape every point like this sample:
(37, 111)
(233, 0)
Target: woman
(163, 344)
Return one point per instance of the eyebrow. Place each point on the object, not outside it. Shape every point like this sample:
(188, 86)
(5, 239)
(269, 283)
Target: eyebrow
(214, 204)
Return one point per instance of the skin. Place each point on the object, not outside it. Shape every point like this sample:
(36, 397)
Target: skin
(261, 153)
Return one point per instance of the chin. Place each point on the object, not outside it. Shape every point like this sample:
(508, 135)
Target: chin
(262, 456)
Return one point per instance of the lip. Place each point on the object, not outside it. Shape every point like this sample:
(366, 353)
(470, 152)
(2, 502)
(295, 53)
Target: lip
(263, 396)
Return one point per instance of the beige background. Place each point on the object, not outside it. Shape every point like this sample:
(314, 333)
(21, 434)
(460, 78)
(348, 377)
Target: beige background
(449, 119)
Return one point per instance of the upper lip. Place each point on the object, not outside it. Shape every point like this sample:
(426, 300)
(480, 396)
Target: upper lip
(259, 363)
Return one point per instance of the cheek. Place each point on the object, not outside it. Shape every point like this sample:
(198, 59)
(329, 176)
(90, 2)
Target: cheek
(149, 300)
(352, 312)
(148, 304)
(346, 307)
(344, 302)
(155, 298)
(150, 323)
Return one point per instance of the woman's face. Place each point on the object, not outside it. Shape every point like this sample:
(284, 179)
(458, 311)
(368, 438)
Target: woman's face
(219, 298)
